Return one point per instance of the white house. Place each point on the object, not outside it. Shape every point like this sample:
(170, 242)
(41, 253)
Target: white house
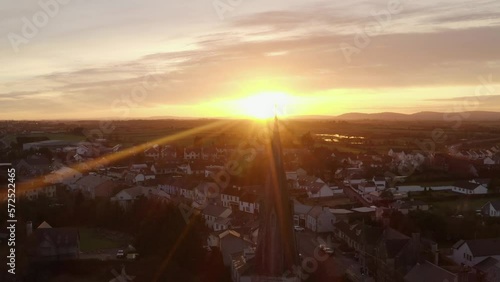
(469, 188)
(229, 242)
(489, 161)
(300, 213)
(471, 252)
(64, 175)
(213, 214)
(319, 190)
(491, 209)
(128, 196)
(380, 182)
(206, 191)
(192, 153)
(249, 203)
(320, 219)
(367, 187)
(231, 196)
(153, 152)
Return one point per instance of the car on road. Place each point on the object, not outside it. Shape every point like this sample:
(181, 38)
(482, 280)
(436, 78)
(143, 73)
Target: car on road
(326, 249)
(120, 254)
(298, 228)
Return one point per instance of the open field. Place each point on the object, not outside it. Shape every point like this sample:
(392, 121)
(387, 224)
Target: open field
(378, 136)
(91, 240)
(454, 203)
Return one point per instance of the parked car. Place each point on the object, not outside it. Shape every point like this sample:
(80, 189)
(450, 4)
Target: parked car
(133, 256)
(120, 254)
(326, 249)
(299, 228)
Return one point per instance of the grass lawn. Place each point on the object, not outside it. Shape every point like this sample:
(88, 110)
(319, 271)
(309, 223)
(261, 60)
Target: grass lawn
(462, 205)
(90, 241)
(430, 183)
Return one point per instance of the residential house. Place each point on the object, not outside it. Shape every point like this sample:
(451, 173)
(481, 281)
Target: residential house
(320, 220)
(213, 170)
(387, 254)
(229, 242)
(491, 209)
(198, 167)
(429, 272)
(188, 190)
(47, 244)
(469, 188)
(231, 197)
(169, 152)
(395, 255)
(32, 190)
(34, 165)
(95, 186)
(488, 270)
(319, 190)
(380, 182)
(300, 213)
(153, 152)
(472, 252)
(116, 172)
(406, 206)
(366, 187)
(162, 168)
(180, 186)
(249, 203)
(192, 153)
(134, 177)
(207, 192)
(242, 266)
(212, 214)
(128, 196)
(138, 167)
(63, 175)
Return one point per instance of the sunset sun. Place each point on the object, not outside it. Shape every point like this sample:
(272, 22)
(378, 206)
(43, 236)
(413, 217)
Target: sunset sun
(265, 105)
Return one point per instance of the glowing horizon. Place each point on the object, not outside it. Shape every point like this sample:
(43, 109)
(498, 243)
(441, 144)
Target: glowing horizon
(138, 60)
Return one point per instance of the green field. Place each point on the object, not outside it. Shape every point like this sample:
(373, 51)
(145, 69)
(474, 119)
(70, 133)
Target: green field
(90, 240)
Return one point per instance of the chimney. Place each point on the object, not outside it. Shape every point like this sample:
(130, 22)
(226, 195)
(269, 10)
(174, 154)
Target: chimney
(435, 251)
(415, 237)
(29, 228)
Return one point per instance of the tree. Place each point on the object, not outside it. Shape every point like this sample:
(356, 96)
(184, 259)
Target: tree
(307, 140)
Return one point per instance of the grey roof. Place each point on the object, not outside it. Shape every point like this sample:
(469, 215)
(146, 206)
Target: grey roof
(495, 204)
(215, 211)
(458, 244)
(466, 185)
(316, 211)
(484, 247)
(429, 272)
(301, 209)
(487, 264)
(483, 181)
(92, 180)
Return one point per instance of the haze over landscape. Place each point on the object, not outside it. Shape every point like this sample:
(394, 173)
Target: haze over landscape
(250, 140)
(202, 59)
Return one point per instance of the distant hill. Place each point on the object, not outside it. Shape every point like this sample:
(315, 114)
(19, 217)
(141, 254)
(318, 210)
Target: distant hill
(424, 116)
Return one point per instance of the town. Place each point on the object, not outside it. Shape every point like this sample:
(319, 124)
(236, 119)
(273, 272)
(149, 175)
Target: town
(370, 202)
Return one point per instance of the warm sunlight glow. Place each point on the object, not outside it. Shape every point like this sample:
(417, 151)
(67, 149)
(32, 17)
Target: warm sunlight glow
(265, 105)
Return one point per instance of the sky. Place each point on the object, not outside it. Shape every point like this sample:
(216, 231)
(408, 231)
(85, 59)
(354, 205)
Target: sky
(121, 59)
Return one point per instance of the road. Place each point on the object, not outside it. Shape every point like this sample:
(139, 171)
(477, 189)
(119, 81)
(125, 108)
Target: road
(323, 267)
